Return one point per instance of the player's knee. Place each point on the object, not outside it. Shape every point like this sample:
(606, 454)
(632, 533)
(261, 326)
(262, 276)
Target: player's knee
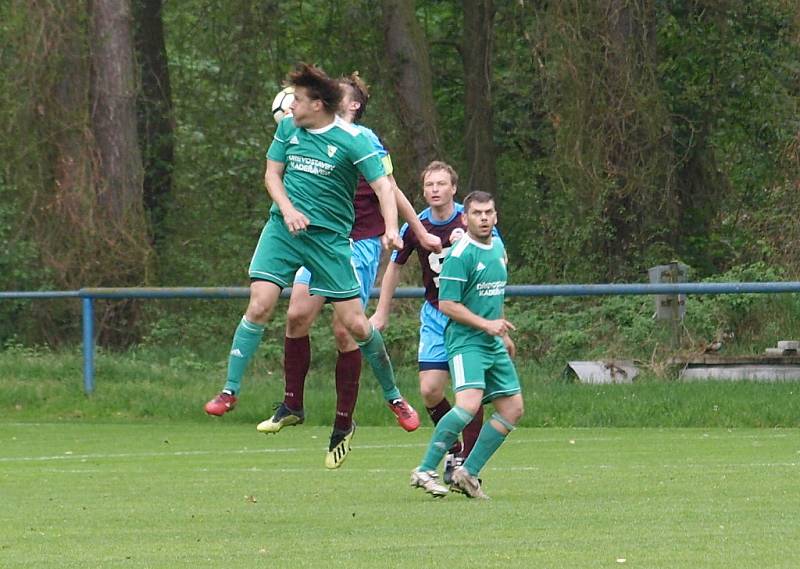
(514, 413)
(259, 309)
(357, 326)
(298, 322)
(344, 341)
(432, 392)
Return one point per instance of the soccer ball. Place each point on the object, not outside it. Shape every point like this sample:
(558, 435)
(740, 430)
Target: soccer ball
(281, 104)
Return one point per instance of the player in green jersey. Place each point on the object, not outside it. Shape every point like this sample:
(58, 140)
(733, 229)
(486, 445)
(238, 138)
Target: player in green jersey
(312, 167)
(471, 293)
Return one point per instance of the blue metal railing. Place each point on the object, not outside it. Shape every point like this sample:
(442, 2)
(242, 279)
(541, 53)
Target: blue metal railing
(88, 295)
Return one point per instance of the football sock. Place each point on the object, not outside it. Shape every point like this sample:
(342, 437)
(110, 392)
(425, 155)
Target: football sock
(488, 442)
(375, 353)
(444, 436)
(296, 361)
(244, 345)
(472, 432)
(348, 372)
(438, 411)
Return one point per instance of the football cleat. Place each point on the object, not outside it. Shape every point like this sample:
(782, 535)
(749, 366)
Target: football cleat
(221, 404)
(451, 462)
(339, 447)
(428, 480)
(283, 417)
(406, 415)
(470, 485)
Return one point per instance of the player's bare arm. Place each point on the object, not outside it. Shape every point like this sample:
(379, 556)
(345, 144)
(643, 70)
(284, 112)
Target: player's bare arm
(389, 282)
(463, 315)
(386, 196)
(273, 179)
(428, 241)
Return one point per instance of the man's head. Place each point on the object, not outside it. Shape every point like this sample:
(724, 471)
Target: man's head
(355, 95)
(316, 96)
(479, 215)
(439, 183)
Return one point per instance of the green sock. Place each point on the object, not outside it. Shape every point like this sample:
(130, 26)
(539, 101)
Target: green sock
(375, 353)
(488, 442)
(444, 436)
(245, 343)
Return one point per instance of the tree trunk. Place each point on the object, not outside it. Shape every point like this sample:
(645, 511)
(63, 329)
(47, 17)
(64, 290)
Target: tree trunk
(478, 137)
(155, 112)
(407, 53)
(114, 108)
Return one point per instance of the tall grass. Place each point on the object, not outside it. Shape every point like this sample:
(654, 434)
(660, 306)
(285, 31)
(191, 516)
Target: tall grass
(140, 385)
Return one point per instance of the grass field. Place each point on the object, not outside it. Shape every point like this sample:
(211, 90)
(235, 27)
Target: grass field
(217, 494)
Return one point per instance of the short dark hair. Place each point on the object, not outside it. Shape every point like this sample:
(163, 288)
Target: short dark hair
(318, 85)
(360, 92)
(477, 196)
(439, 165)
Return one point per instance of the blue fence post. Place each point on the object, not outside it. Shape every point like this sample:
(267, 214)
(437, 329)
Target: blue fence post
(88, 344)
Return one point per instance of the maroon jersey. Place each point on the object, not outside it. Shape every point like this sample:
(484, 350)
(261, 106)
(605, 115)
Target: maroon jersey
(449, 231)
(369, 221)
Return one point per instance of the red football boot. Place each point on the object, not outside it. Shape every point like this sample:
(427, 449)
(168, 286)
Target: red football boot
(221, 404)
(406, 415)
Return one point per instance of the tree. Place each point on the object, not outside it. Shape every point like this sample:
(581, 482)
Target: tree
(407, 54)
(114, 109)
(479, 132)
(155, 111)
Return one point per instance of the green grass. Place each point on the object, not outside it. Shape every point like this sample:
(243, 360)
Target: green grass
(140, 386)
(216, 494)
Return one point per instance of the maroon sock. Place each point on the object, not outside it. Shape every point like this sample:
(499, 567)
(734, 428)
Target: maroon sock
(472, 431)
(348, 373)
(296, 361)
(438, 411)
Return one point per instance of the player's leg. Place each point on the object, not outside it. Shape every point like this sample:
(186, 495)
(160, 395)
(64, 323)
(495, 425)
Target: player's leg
(502, 387)
(434, 374)
(347, 376)
(444, 435)
(374, 351)
(366, 259)
(273, 264)
(303, 310)
(263, 297)
(334, 277)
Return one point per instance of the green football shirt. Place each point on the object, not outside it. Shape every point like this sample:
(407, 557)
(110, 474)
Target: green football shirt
(321, 170)
(474, 274)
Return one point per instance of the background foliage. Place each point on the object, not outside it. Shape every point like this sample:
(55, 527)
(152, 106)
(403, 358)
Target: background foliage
(628, 133)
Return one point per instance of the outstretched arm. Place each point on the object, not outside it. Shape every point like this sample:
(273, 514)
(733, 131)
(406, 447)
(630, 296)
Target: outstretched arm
(385, 192)
(389, 282)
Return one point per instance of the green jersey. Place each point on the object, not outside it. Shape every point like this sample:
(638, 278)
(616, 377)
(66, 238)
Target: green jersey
(474, 274)
(321, 170)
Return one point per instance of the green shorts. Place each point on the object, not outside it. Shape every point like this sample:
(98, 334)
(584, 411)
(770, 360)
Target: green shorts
(492, 372)
(326, 254)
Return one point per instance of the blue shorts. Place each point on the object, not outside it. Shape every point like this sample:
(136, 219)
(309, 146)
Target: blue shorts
(366, 259)
(432, 352)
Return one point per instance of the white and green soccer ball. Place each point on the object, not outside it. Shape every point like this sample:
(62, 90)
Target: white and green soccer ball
(282, 103)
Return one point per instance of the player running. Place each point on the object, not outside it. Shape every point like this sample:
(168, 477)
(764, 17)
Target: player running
(471, 293)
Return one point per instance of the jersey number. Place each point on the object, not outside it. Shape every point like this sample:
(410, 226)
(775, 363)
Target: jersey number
(435, 263)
